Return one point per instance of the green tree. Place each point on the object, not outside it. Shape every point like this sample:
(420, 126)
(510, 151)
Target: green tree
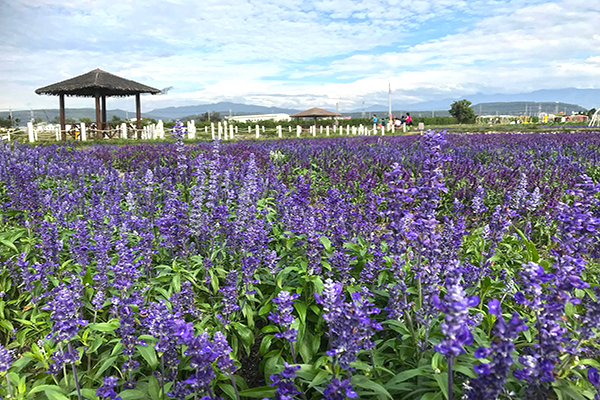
(85, 120)
(116, 119)
(462, 111)
(591, 112)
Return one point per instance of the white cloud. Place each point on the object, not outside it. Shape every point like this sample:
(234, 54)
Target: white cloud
(296, 53)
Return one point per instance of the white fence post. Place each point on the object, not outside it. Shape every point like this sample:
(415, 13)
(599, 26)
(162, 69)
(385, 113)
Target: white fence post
(230, 132)
(327, 130)
(298, 130)
(382, 130)
(83, 132)
(347, 130)
(279, 131)
(257, 131)
(220, 131)
(290, 129)
(160, 129)
(212, 130)
(30, 131)
(191, 129)
(123, 130)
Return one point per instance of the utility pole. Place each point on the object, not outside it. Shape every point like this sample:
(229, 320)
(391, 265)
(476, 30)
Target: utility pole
(390, 101)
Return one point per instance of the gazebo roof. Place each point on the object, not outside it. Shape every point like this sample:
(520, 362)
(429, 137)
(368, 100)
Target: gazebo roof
(316, 112)
(96, 82)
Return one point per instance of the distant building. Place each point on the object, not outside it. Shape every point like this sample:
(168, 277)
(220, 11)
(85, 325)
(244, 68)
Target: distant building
(260, 117)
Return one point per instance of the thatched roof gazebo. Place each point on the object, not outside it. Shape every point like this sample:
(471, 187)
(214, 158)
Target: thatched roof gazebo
(98, 84)
(316, 113)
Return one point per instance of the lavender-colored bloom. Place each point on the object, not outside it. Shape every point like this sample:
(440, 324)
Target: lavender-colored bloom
(478, 206)
(339, 390)
(455, 306)
(230, 297)
(284, 382)
(222, 348)
(6, 359)
(283, 315)
(108, 389)
(594, 379)
(492, 375)
(65, 306)
(350, 324)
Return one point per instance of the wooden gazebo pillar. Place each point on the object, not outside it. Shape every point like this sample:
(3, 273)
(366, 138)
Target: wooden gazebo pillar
(103, 110)
(138, 115)
(98, 118)
(63, 124)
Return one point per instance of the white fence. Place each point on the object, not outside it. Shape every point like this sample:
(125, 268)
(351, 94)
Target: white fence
(217, 130)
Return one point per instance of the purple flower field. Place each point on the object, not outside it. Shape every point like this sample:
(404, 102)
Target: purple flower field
(412, 267)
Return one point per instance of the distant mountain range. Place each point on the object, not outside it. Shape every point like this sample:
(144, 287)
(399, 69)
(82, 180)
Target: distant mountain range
(499, 108)
(585, 98)
(569, 100)
(223, 108)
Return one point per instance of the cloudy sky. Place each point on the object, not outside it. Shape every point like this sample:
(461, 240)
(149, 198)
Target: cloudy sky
(293, 53)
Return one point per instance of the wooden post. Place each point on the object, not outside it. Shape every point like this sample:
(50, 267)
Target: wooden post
(63, 127)
(103, 111)
(138, 114)
(98, 118)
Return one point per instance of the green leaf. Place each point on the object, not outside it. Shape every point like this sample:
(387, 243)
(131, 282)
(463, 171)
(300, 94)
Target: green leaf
(132, 394)
(243, 332)
(326, 243)
(442, 380)
(43, 388)
(9, 244)
(301, 308)
(404, 376)
(259, 392)
(53, 395)
(105, 365)
(105, 326)
(149, 355)
(365, 383)
(320, 378)
(265, 345)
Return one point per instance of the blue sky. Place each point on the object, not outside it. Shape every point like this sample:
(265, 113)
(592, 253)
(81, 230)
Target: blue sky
(299, 54)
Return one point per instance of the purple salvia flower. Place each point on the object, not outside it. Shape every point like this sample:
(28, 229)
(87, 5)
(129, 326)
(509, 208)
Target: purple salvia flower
(108, 389)
(283, 315)
(478, 205)
(493, 375)
(339, 390)
(6, 359)
(455, 306)
(230, 297)
(284, 383)
(594, 379)
(350, 324)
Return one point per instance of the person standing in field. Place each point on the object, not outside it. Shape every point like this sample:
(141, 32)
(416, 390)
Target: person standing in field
(409, 120)
(374, 118)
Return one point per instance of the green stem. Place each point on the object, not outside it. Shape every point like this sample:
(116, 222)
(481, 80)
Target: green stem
(450, 376)
(237, 394)
(75, 375)
(162, 376)
(8, 387)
